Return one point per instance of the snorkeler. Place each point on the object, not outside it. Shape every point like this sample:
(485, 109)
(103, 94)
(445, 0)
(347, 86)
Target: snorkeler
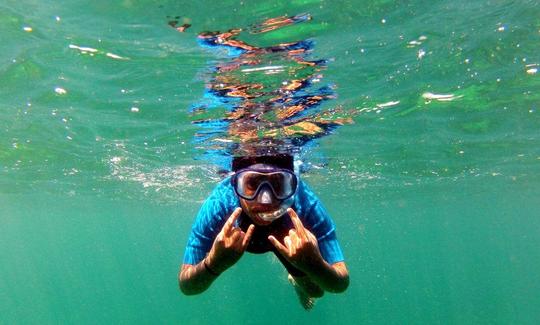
(264, 207)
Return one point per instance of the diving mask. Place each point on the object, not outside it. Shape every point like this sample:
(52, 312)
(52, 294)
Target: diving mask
(266, 185)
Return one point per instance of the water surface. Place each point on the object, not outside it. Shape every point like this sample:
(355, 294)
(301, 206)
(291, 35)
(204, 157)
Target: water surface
(434, 188)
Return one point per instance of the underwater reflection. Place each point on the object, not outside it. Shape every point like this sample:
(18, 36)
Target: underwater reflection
(263, 99)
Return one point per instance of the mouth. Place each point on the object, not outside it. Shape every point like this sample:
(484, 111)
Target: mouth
(265, 210)
(264, 214)
(271, 215)
(260, 221)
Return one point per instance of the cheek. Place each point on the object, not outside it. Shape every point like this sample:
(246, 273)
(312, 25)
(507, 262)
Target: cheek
(245, 205)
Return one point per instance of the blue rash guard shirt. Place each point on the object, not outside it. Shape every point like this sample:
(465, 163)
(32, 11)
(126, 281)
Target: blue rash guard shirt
(223, 200)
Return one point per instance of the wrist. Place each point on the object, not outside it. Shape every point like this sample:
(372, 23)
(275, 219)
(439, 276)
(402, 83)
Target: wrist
(209, 269)
(314, 265)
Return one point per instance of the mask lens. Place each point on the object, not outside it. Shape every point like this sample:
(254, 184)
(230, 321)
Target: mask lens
(249, 182)
(282, 184)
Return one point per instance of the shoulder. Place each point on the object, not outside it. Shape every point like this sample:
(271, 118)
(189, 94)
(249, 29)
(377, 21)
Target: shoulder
(312, 212)
(305, 198)
(224, 192)
(308, 204)
(220, 203)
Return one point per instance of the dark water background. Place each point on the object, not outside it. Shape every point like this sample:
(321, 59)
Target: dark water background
(436, 202)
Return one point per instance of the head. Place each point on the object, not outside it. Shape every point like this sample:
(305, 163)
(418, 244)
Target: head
(265, 186)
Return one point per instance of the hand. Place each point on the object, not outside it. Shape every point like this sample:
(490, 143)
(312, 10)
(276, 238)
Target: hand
(301, 248)
(229, 244)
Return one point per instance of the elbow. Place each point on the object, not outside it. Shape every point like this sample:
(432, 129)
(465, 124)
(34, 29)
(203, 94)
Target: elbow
(342, 282)
(186, 291)
(183, 285)
(342, 285)
(339, 286)
(183, 288)
(190, 282)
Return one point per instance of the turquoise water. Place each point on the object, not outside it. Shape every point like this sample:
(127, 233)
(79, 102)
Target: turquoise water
(434, 188)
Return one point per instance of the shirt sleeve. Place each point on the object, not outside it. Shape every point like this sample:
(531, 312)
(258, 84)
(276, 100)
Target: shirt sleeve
(319, 222)
(207, 225)
(325, 231)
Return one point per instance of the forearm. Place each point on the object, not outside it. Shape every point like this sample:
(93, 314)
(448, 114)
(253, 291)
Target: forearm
(195, 279)
(331, 278)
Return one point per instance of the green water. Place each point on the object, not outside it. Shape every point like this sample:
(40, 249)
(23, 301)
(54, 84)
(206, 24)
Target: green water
(436, 202)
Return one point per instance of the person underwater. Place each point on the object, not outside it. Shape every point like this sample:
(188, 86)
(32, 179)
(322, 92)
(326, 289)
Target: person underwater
(264, 207)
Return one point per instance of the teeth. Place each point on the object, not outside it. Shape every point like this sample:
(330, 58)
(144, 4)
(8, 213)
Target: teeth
(271, 216)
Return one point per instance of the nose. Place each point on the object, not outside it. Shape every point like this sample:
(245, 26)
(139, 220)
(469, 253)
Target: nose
(265, 196)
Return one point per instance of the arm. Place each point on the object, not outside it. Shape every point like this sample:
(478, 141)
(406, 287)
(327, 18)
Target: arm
(301, 249)
(226, 250)
(330, 277)
(194, 279)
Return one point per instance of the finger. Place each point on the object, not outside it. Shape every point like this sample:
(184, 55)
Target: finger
(287, 242)
(229, 225)
(297, 223)
(281, 249)
(292, 232)
(236, 232)
(234, 237)
(296, 241)
(290, 245)
(248, 235)
(293, 235)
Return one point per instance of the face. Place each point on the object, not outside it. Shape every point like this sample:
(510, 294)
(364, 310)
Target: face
(265, 207)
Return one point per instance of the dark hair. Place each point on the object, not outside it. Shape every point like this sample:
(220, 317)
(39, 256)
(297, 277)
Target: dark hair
(280, 160)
